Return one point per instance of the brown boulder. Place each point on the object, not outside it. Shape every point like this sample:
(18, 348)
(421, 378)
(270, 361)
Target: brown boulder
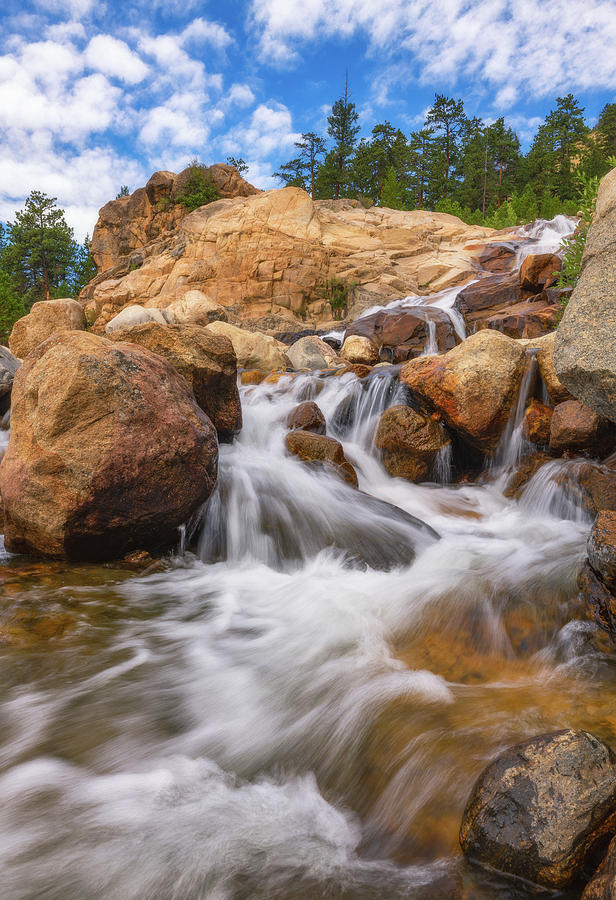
(207, 362)
(536, 423)
(497, 258)
(528, 319)
(403, 334)
(600, 601)
(44, 319)
(253, 349)
(307, 417)
(409, 442)
(490, 291)
(601, 547)
(557, 392)
(108, 452)
(539, 810)
(316, 448)
(360, 350)
(577, 428)
(602, 885)
(473, 387)
(539, 271)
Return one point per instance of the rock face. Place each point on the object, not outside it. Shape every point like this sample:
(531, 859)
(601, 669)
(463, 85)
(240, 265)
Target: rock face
(207, 362)
(44, 319)
(312, 353)
(539, 271)
(473, 387)
(128, 223)
(8, 366)
(602, 547)
(409, 442)
(539, 809)
(108, 451)
(585, 348)
(316, 448)
(575, 427)
(253, 350)
(307, 417)
(268, 257)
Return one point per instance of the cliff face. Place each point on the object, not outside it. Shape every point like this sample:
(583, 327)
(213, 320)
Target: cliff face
(129, 223)
(267, 257)
(585, 346)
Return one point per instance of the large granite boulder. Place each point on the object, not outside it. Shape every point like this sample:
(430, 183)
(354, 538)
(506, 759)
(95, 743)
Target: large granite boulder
(539, 271)
(108, 452)
(473, 386)
(409, 442)
(540, 809)
(44, 319)
(194, 309)
(253, 349)
(207, 362)
(585, 347)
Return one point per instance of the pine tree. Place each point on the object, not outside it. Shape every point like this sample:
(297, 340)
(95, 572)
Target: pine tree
(448, 119)
(422, 152)
(392, 191)
(557, 148)
(343, 129)
(312, 149)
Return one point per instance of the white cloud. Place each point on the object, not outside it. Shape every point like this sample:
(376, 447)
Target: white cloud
(558, 46)
(113, 57)
(207, 32)
(173, 126)
(240, 95)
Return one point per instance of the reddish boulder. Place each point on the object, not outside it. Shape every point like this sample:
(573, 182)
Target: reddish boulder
(527, 319)
(576, 428)
(409, 442)
(307, 417)
(325, 451)
(536, 424)
(601, 547)
(404, 333)
(497, 258)
(109, 451)
(539, 271)
(490, 291)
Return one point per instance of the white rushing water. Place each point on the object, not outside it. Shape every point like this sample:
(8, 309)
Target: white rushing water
(206, 732)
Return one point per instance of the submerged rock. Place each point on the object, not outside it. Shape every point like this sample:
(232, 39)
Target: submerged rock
(540, 808)
(473, 387)
(207, 362)
(600, 601)
(317, 448)
(307, 417)
(409, 442)
(44, 319)
(108, 452)
(601, 547)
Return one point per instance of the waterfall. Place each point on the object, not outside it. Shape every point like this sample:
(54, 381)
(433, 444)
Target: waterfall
(513, 445)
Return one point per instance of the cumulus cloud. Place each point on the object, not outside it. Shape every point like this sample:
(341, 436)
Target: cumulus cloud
(506, 44)
(268, 131)
(211, 33)
(115, 58)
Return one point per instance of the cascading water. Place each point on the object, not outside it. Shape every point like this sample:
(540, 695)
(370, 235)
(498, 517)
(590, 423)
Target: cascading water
(513, 445)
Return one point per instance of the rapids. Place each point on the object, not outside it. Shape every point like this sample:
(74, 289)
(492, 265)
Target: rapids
(296, 703)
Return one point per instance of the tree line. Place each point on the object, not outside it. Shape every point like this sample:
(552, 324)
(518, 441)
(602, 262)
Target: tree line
(39, 259)
(456, 163)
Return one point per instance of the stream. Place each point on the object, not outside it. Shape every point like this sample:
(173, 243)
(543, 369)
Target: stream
(298, 705)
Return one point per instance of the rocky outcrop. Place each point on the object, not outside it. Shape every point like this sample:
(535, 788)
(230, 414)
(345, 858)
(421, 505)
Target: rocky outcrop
(576, 428)
(44, 319)
(585, 348)
(473, 387)
(270, 257)
(253, 350)
(312, 353)
(8, 366)
(323, 451)
(360, 350)
(540, 808)
(207, 362)
(409, 443)
(307, 417)
(108, 452)
(128, 223)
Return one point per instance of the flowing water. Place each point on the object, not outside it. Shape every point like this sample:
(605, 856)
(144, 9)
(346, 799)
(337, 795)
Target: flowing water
(296, 703)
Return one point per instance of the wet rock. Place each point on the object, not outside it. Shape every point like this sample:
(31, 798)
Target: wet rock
(536, 423)
(307, 417)
(601, 547)
(252, 376)
(360, 350)
(528, 319)
(44, 319)
(557, 392)
(602, 885)
(585, 348)
(473, 387)
(539, 271)
(600, 601)
(490, 291)
(253, 349)
(540, 808)
(360, 370)
(497, 258)
(316, 448)
(312, 353)
(8, 366)
(207, 362)
(108, 452)
(404, 334)
(131, 316)
(409, 442)
(577, 428)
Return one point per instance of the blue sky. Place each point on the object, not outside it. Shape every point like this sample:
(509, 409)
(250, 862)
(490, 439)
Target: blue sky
(97, 93)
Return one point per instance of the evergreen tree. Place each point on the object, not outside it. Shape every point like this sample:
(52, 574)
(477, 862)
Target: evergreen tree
(293, 173)
(504, 149)
(238, 163)
(422, 153)
(312, 149)
(557, 148)
(123, 192)
(392, 193)
(343, 129)
(606, 129)
(448, 120)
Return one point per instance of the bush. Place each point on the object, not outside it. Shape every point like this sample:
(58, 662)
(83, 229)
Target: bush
(337, 292)
(198, 188)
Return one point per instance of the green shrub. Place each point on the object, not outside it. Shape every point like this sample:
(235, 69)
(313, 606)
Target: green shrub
(198, 188)
(337, 291)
